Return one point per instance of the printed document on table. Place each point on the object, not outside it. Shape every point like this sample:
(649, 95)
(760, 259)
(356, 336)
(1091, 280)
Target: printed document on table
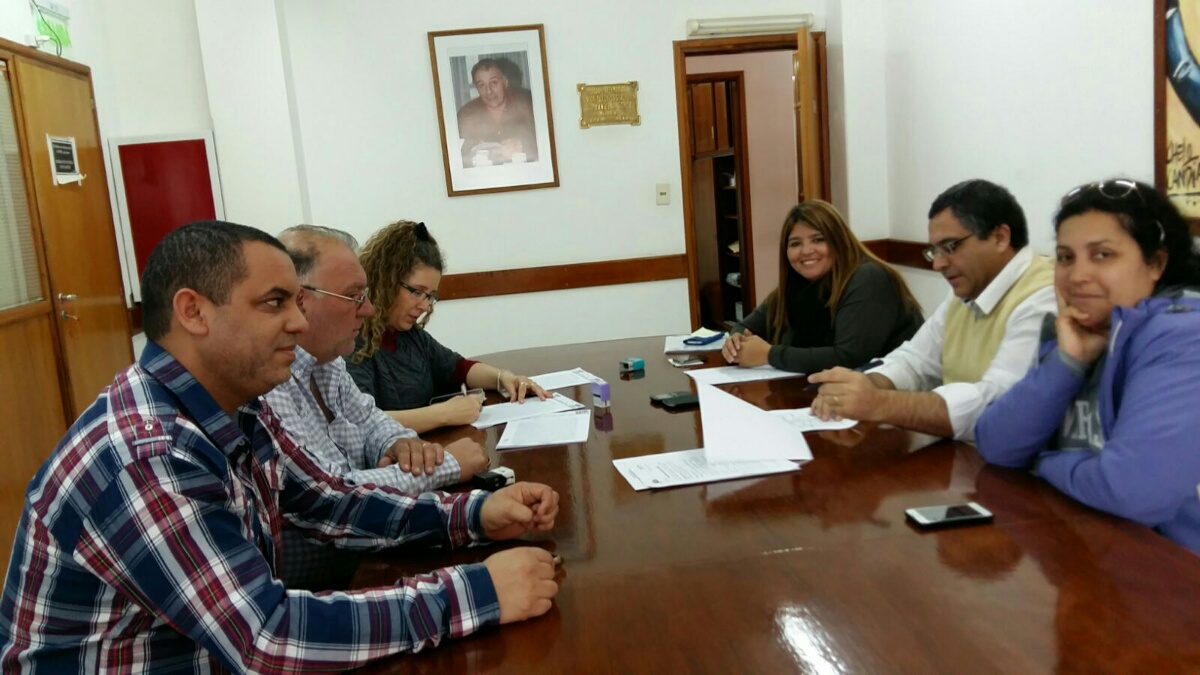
(733, 374)
(803, 418)
(502, 413)
(688, 467)
(737, 431)
(674, 343)
(569, 427)
(564, 378)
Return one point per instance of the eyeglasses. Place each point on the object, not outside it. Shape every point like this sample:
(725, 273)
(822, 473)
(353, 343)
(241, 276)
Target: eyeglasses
(934, 250)
(421, 295)
(357, 300)
(1117, 188)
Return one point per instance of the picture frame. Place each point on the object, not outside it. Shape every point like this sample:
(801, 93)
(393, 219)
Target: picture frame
(492, 89)
(1177, 105)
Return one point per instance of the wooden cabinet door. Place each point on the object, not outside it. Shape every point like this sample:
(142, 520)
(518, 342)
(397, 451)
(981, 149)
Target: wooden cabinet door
(704, 130)
(721, 117)
(77, 230)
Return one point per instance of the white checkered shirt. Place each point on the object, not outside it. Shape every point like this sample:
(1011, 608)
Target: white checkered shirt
(349, 447)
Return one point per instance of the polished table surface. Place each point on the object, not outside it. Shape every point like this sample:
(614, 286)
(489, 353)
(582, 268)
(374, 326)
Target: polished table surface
(815, 571)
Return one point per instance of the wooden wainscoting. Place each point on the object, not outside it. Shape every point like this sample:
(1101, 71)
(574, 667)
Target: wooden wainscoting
(900, 252)
(562, 277)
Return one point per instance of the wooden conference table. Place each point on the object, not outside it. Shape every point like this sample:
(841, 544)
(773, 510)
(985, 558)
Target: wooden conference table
(815, 571)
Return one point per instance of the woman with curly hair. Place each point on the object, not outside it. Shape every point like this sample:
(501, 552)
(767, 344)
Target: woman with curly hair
(397, 360)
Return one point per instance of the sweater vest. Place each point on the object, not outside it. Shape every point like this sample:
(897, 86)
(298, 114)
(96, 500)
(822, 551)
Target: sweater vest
(971, 341)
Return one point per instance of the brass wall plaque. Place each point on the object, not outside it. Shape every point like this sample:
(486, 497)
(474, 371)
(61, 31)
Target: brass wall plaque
(608, 104)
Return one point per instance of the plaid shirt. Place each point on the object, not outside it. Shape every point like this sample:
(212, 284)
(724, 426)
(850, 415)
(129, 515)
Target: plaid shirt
(148, 544)
(352, 444)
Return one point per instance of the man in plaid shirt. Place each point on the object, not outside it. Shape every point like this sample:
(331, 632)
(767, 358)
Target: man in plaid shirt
(149, 541)
(339, 426)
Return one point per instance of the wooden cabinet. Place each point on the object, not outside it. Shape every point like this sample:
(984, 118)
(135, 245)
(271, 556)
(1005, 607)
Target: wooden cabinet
(710, 117)
(719, 200)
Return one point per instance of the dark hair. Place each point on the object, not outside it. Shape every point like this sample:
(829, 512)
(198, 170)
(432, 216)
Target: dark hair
(388, 257)
(847, 253)
(1147, 215)
(205, 256)
(982, 206)
(506, 67)
(484, 64)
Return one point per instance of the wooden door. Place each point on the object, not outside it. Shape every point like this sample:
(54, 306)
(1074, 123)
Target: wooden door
(31, 399)
(808, 128)
(77, 229)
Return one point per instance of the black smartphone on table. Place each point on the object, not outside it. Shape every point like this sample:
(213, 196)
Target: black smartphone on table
(930, 517)
(682, 399)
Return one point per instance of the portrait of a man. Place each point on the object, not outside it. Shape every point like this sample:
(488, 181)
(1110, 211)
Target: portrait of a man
(492, 90)
(497, 126)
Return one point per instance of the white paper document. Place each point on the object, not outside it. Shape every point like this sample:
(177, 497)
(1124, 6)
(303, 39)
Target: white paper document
(674, 343)
(569, 427)
(501, 413)
(732, 374)
(803, 418)
(688, 467)
(564, 378)
(737, 431)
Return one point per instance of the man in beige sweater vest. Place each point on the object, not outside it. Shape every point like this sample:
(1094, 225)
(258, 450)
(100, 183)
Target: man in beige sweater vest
(978, 343)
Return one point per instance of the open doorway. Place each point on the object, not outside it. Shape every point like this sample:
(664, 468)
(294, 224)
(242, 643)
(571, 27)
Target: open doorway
(753, 142)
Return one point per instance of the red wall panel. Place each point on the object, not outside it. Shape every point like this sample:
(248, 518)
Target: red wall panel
(167, 184)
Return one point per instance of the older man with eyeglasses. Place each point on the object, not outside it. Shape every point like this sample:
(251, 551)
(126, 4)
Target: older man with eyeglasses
(337, 425)
(979, 342)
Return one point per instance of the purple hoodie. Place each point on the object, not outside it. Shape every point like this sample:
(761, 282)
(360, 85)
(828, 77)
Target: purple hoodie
(1149, 397)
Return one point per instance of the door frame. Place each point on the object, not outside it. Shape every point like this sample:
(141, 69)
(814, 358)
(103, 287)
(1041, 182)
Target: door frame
(716, 46)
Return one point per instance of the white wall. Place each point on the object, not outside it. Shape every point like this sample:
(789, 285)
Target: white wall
(367, 128)
(242, 47)
(856, 44)
(324, 111)
(156, 73)
(1038, 96)
(771, 135)
(16, 20)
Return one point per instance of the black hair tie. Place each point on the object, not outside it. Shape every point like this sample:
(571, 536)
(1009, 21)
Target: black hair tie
(422, 231)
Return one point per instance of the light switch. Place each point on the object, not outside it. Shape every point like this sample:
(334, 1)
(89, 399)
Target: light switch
(662, 194)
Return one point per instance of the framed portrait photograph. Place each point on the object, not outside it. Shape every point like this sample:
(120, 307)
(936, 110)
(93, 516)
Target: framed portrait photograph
(493, 103)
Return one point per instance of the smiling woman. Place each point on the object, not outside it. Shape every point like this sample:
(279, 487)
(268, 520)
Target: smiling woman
(397, 361)
(837, 304)
(1107, 414)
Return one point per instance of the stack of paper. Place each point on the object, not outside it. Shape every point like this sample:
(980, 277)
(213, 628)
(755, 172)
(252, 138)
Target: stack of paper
(688, 467)
(737, 431)
(732, 374)
(674, 343)
(569, 427)
(740, 440)
(564, 378)
(502, 413)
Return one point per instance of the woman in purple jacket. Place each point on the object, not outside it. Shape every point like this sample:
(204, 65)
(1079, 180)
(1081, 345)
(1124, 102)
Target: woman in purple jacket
(1110, 414)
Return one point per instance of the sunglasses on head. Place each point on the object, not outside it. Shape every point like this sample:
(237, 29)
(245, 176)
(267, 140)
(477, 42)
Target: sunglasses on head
(1117, 189)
